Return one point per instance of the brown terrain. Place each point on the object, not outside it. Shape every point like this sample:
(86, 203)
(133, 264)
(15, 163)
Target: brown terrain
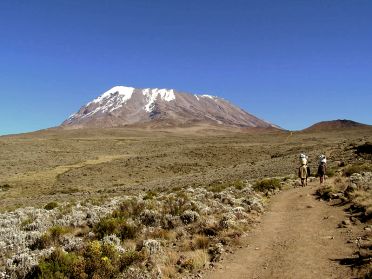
(62, 165)
(297, 237)
(335, 124)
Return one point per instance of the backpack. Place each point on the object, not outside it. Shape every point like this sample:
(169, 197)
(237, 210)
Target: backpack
(322, 169)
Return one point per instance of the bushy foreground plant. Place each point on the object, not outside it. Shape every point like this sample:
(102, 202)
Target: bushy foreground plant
(61, 265)
(267, 184)
(175, 206)
(95, 260)
(192, 221)
(50, 238)
(219, 186)
(51, 205)
(115, 225)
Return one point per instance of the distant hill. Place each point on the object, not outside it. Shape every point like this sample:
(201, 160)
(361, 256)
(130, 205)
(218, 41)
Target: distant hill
(335, 125)
(126, 106)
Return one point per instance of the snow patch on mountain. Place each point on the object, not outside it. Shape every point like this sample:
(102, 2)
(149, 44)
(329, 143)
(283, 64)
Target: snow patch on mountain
(152, 94)
(209, 96)
(124, 93)
(109, 101)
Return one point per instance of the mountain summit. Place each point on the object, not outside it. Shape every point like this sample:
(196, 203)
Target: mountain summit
(123, 106)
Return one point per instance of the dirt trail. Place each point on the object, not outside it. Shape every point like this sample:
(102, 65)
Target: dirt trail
(297, 238)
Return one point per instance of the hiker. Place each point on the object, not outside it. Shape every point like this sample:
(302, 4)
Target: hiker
(302, 174)
(322, 169)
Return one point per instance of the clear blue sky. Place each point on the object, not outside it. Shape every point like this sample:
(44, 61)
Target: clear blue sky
(289, 62)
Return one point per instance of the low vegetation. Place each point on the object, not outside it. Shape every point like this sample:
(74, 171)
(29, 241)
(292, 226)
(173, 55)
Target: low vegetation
(51, 205)
(167, 233)
(159, 203)
(267, 184)
(354, 189)
(357, 168)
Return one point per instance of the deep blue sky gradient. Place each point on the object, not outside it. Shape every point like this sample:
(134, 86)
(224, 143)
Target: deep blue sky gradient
(292, 63)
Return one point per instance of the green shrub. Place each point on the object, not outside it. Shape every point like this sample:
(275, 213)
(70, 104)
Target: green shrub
(357, 168)
(131, 257)
(50, 238)
(149, 195)
(51, 205)
(42, 242)
(62, 265)
(129, 208)
(238, 184)
(267, 184)
(128, 231)
(118, 226)
(217, 186)
(26, 222)
(177, 205)
(108, 226)
(102, 261)
(57, 231)
(95, 260)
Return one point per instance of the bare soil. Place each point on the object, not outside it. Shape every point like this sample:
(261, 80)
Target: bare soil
(297, 238)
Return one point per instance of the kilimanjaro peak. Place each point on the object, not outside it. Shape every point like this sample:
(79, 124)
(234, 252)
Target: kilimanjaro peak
(123, 106)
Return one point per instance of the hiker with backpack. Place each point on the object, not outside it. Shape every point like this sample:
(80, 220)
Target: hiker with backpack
(322, 168)
(302, 174)
(303, 170)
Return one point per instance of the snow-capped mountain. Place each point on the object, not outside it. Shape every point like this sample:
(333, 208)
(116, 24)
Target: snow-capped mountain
(122, 106)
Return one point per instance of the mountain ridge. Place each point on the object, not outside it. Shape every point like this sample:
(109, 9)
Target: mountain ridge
(127, 106)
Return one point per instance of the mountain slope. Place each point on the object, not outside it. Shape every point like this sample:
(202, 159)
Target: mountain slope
(123, 106)
(335, 124)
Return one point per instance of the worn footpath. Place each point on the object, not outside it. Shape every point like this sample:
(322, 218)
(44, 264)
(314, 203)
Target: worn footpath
(297, 238)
